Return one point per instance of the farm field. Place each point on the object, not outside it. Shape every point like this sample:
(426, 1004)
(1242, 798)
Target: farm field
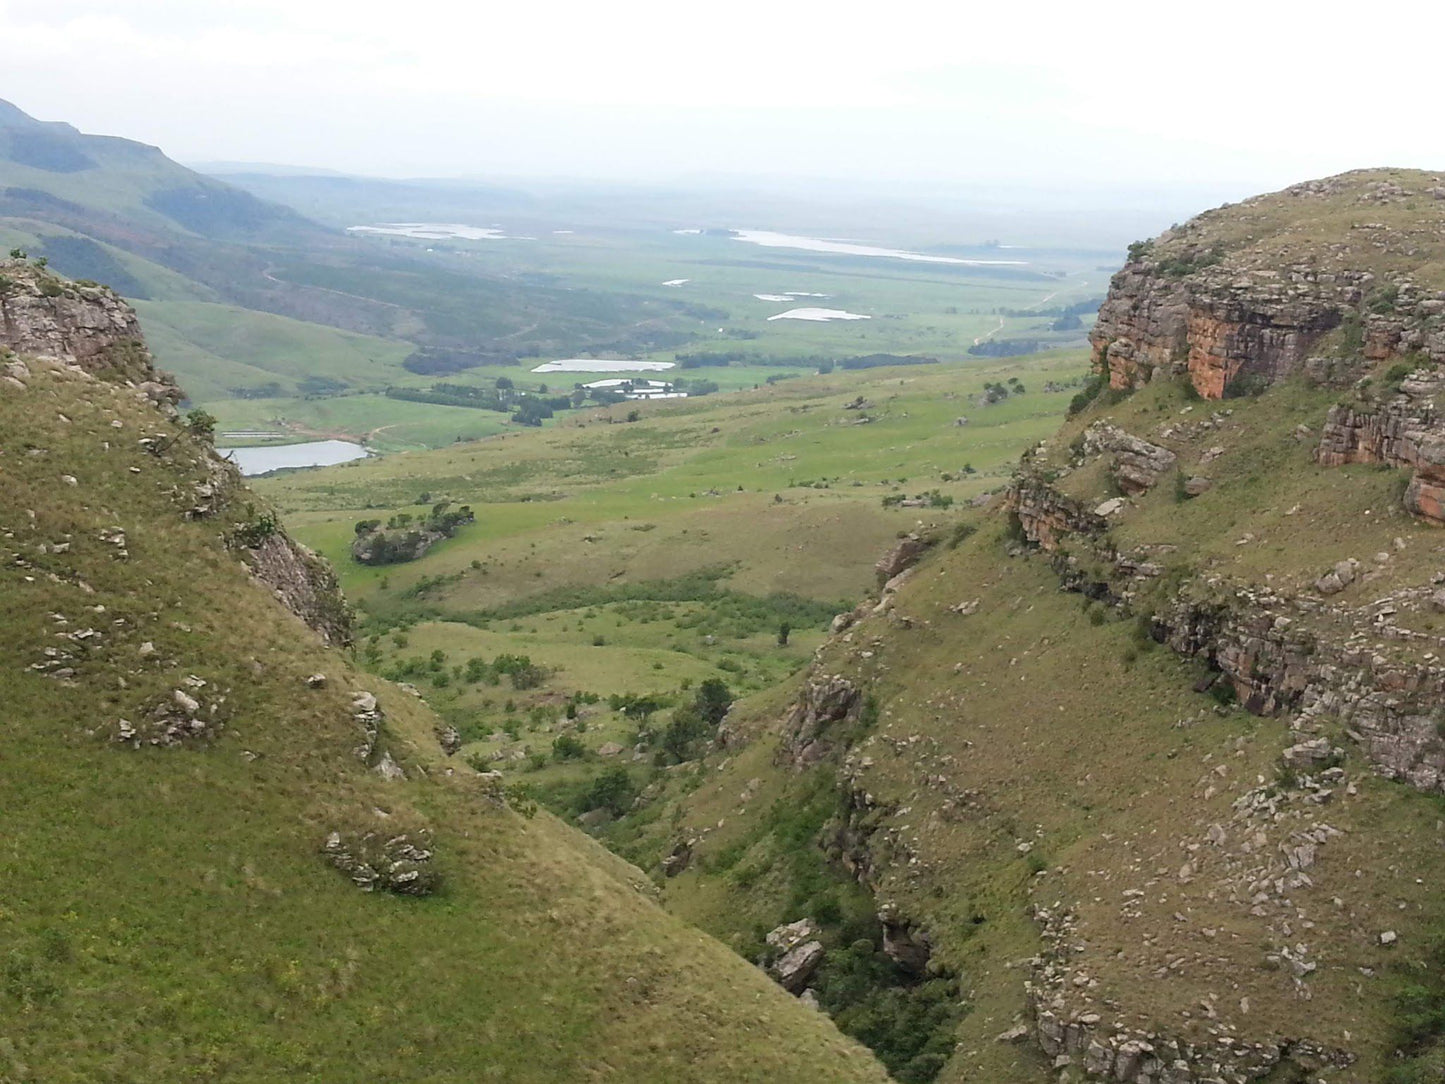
(616, 566)
(254, 370)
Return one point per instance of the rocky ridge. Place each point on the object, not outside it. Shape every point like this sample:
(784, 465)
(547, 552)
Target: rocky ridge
(1355, 688)
(86, 331)
(1239, 297)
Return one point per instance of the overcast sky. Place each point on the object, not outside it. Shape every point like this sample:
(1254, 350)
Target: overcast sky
(1230, 96)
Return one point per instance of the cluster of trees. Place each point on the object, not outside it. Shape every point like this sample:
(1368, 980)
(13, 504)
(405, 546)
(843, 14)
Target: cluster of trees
(405, 537)
(997, 393)
(876, 361)
(520, 669)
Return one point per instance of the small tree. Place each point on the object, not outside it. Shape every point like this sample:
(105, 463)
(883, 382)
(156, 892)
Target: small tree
(613, 790)
(201, 424)
(712, 700)
(784, 631)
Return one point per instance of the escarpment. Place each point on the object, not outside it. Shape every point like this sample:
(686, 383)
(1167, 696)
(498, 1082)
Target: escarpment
(1150, 756)
(1241, 296)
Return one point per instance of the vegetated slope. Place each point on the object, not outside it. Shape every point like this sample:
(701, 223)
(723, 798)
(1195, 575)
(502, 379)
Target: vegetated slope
(196, 785)
(706, 539)
(1149, 758)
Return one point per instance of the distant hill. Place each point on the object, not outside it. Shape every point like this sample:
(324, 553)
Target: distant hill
(55, 171)
(120, 212)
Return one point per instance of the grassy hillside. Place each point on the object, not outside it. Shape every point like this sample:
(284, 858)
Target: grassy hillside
(1083, 769)
(222, 352)
(168, 912)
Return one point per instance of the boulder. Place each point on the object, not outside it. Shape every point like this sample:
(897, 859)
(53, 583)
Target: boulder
(678, 860)
(388, 768)
(795, 967)
(904, 943)
(825, 701)
(903, 556)
(1138, 464)
(800, 953)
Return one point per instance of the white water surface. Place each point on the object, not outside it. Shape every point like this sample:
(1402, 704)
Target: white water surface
(601, 365)
(312, 453)
(769, 239)
(819, 315)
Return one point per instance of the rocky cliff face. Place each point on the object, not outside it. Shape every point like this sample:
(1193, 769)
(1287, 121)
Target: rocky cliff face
(1407, 430)
(1215, 326)
(1241, 296)
(49, 321)
(45, 316)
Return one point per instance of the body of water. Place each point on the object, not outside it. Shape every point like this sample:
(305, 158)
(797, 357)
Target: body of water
(819, 315)
(432, 231)
(769, 239)
(314, 453)
(601, 365)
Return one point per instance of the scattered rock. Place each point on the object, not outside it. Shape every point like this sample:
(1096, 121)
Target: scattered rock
(397, 863)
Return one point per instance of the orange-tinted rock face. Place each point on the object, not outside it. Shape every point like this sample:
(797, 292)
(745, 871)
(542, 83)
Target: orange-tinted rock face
(1213, 327)
(1405, 432)
(1045, 515)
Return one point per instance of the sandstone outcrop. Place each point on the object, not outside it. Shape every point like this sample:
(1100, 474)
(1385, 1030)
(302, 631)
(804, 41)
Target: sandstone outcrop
(1236, 308)
(1214, 325)
(1045, 515)
(1406, 431)
(45, 316)
(825, 701)
(903, 556)
(1137, 464)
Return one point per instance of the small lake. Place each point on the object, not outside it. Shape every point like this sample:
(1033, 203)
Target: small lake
(820, 315)
(314, 453)
(602, 365)
(432, 231)
(770, 239)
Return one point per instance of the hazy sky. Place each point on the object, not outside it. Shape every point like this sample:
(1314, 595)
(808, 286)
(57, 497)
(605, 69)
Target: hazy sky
(1229, 95)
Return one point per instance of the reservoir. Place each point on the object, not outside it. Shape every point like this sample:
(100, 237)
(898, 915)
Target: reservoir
(314, 453)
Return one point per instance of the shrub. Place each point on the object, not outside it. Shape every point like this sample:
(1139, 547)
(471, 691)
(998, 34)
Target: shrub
(613, 791)
(566, 747)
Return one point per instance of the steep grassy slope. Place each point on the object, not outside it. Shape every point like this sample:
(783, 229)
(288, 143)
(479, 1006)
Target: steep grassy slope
(1151, 759)
(170, 780)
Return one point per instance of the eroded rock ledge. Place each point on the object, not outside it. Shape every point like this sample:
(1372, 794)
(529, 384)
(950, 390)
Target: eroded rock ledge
(1406, 431)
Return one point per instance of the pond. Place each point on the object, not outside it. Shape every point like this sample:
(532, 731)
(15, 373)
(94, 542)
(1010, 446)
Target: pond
(769, 239)
(601, 365)
(313, 453)
(819, 314)
(432, 231)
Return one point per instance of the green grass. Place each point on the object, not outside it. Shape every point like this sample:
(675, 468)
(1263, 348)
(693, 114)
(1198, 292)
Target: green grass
(166, 913)
(681, 542)
(218, 350)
